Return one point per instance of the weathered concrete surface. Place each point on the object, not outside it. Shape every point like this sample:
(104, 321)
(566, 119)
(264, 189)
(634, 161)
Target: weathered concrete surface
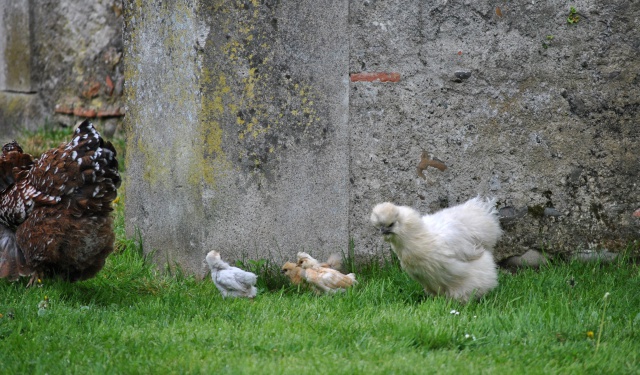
(517, 102)
(17, 102)
(247, 137)
(60, 61)
(15, 70)
(237, 128)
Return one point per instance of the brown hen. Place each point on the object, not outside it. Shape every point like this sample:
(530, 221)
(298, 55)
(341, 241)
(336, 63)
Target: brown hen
(55, 212)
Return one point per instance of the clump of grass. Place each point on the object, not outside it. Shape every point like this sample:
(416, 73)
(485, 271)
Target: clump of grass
(573, 17)
(48, 136)
(269, 275)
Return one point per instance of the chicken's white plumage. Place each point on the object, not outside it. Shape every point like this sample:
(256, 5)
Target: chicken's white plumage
(448, 252)
(231, 281)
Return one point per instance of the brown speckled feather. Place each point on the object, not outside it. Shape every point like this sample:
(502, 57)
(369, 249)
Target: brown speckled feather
(58, 210)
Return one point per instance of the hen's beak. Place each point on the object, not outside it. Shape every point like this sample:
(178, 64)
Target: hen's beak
(385, 230)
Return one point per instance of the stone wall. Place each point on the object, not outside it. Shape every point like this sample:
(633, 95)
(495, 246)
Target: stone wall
(261, 128)
(60, 61)
(519, 104)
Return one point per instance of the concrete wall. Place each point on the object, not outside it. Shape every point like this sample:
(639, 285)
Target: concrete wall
(18, 104)
(252, 132)
(517, 102)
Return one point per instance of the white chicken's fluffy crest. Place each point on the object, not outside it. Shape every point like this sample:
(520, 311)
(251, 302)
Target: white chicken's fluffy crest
(448, 252)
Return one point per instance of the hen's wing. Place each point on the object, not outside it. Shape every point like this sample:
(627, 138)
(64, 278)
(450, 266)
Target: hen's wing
(462, 232)
(328, 279)
(83, 172)
(334, 261)
(236, 280)
(245, 277)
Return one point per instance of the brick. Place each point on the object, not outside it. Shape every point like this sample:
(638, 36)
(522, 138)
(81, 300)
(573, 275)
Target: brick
(375, 76)
(64, 109)
(90, 89)
(110, 112)
(84, 112)
(109, 85)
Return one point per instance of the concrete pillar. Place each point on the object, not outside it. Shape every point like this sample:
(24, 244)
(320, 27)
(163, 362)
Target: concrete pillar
(237, 123)
(15, 47)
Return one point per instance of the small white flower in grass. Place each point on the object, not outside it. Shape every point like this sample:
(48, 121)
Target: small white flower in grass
(468, 336)
(454, 312)
(43, 306)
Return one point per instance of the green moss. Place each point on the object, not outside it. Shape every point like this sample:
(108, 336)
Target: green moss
(211, 159)
(247, 97)
(536, 211)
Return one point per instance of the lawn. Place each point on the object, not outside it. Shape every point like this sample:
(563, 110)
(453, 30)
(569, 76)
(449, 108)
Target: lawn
(133, 318)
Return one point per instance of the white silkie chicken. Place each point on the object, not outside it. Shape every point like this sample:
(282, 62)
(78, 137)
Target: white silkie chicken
(231, 281)
(448, 252)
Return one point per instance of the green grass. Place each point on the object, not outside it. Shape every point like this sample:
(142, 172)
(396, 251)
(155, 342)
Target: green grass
(132, 319)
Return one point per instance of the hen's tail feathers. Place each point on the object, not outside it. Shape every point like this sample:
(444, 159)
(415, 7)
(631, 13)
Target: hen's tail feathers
(352, 276)
(485, 205)
(489, 230)
(83, 171)
(12, 261)
(334, 261)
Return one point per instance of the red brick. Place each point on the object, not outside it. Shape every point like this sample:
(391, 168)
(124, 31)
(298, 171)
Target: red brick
(109, 84)
(375, 76)
(90, 89)
(64, 109)
(84, 112)
(110, 112)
